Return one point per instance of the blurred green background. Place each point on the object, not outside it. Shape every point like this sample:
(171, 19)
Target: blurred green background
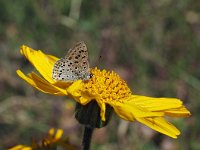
(154, 45)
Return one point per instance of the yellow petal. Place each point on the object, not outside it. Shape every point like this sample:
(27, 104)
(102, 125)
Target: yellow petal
(21, 147)
(61, 91)
(102, 106)
(75, 91)
(52, 58)
(62, 84)
(128, 110)
(178, 112)
(58, 134)
(51, 132)
(161, 125)
(170, 106)
(42, 62)
(156, 104)
(41, 84)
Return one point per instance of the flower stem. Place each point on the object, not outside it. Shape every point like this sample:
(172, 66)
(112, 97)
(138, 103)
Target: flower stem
(87, 137)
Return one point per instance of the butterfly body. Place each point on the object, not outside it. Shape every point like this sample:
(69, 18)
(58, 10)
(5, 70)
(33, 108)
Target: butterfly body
(74, 65)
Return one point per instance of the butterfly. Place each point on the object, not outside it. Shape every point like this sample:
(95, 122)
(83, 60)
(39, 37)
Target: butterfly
(74, 65)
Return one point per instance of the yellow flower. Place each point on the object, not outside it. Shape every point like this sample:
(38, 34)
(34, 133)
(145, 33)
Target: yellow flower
(53, 139)
(106, 88)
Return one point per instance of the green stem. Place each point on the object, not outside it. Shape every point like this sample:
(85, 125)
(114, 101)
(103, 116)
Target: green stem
(87, 137)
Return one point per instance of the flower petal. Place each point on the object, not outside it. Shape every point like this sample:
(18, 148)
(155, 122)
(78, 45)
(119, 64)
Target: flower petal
(171, 106)
(55, 135)
(156, 104)
(58, 134)
(42, 62)
(128, 110)
(41, 84)
(75, 91)
(62, 84)
(178, 112)
(161, 125)
(102, 110)
(21, 147)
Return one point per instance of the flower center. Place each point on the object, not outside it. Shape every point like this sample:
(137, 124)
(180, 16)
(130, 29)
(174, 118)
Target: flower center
(107, 86)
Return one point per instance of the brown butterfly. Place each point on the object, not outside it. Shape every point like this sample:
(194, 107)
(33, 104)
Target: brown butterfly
(74, 65)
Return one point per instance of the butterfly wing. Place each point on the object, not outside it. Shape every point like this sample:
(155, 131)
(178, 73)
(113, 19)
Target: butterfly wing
(74, 65)
(62, 71)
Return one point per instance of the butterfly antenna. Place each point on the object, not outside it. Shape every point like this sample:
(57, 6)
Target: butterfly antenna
(98, 61)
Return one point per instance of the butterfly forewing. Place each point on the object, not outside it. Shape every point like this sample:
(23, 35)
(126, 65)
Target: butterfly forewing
(74, 65)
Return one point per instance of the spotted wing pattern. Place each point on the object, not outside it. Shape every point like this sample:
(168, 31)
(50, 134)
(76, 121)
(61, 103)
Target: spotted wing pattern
(74, 65)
